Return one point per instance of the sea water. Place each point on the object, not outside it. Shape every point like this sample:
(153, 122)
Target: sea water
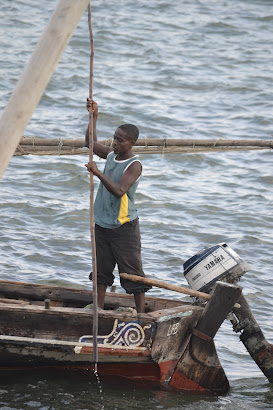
(179, 69)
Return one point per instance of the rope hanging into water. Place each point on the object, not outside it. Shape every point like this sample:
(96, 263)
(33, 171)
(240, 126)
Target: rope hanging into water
(92, 220)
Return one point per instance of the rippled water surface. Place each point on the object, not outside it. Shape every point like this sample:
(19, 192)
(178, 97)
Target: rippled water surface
(179, 69)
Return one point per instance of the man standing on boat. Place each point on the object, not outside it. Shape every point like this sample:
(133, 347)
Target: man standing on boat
(116, 220)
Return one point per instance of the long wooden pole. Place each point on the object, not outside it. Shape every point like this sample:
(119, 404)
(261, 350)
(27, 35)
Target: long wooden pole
(92, 219)
(152, 142)
(36, 76)
(165, 285)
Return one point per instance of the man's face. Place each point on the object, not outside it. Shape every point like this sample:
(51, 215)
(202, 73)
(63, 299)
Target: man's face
(121, 143)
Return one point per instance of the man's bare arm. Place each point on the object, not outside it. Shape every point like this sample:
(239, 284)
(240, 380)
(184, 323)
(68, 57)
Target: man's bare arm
(99, 149)
(128, 179)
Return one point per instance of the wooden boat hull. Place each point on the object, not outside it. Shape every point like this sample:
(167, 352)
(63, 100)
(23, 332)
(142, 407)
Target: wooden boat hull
(163, 346)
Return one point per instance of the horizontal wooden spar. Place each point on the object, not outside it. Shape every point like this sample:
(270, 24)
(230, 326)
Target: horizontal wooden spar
(143, 142)
(185, 142)
(69, 150)
(53, 142)
(33, 149)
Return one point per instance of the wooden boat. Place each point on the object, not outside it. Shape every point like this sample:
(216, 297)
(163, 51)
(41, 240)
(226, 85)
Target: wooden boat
(170, 344)
(44, 326)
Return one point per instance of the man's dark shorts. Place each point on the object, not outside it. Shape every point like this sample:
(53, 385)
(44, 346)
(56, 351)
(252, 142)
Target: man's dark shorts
(121, 246)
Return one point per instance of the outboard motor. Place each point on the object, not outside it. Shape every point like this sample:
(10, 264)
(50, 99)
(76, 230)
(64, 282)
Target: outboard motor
(217, 262)
(220, 262)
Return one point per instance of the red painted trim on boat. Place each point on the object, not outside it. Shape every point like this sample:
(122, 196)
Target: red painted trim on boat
(166, 370)
(133, 371)
(181, 382)
(140, 371)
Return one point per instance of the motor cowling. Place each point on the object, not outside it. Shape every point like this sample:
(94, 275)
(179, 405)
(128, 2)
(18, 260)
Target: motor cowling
(214, 263)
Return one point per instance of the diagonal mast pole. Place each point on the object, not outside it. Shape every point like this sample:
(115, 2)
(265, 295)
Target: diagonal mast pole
(37, 73)
(92, 221)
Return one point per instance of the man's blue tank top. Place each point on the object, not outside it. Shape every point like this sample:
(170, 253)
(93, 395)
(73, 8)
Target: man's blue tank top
(109, 210)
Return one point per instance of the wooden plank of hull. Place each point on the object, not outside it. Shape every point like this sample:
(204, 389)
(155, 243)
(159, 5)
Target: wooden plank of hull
(37, 322)
(25, 353)
(35, 352)
(200, 364)
(77, 297)
(171, 339)
(30, 291)
(134, 371)
(63, 323)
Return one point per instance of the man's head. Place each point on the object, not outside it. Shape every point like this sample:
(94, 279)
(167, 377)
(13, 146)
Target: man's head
(125, 138)
(130, 131)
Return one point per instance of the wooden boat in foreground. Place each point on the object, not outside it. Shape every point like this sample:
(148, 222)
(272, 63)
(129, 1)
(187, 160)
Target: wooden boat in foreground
(171, 343)
(44, 326)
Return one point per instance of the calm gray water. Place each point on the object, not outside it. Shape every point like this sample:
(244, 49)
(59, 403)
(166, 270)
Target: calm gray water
(178, 69)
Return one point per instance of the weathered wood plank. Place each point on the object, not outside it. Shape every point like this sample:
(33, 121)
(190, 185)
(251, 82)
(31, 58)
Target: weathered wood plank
(77, 297)
(223, 299)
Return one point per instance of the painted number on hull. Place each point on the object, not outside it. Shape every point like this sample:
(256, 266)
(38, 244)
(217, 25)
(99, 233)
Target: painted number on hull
(173, 329)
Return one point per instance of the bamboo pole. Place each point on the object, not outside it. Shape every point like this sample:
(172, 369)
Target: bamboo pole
(165, 285)
(68, 150)
(92, 220)
(187, 142)
(36, 76)
(153, 142)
